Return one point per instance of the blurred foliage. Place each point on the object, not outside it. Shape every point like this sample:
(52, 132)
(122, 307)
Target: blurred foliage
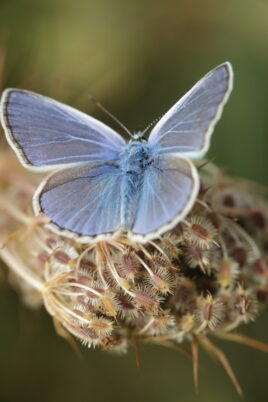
(137, 57)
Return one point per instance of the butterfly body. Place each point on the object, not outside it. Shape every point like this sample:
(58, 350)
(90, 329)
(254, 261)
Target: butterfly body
(135, 158)
(103, 186)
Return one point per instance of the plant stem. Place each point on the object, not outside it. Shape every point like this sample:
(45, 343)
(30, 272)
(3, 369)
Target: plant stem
(21, 270)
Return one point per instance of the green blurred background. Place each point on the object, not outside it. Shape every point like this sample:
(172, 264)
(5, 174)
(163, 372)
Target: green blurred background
(138, 58)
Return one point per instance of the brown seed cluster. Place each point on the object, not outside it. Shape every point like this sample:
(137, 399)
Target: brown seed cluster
(208, 275)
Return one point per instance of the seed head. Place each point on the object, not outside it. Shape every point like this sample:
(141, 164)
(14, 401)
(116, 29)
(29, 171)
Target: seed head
(209, 312)
(208, 275)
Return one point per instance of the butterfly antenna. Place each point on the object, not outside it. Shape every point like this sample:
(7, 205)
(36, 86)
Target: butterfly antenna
(100, 106)
(150, 125)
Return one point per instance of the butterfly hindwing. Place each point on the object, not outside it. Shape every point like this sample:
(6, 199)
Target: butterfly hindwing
(186, 128)
(46, 134)
(82, 202)
(169, 190)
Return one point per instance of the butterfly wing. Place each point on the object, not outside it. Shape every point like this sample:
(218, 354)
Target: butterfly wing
(83, 202)
(46, 134)
(187, 127)
(170, 187)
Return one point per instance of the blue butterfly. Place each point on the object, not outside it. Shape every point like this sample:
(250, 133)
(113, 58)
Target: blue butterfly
(105, 186)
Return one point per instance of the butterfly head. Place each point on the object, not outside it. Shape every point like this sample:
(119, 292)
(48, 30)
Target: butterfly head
(138, 136)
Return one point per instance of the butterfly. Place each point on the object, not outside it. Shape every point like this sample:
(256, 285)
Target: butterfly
(103, 186)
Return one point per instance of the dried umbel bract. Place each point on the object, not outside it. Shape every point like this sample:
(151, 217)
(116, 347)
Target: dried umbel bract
(206, 276)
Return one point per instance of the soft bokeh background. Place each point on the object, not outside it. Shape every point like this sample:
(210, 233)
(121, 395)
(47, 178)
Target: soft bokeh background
(137, 57)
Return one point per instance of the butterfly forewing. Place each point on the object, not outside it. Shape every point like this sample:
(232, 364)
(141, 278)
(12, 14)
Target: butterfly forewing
(186, 128)
(46, 134)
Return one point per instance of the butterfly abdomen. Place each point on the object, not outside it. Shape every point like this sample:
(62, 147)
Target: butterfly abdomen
(136, 157)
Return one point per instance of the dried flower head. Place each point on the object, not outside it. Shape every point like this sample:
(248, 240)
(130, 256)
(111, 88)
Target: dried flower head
(208, 275)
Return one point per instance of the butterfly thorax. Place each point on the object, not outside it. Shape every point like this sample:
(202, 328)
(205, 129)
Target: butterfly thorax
(135, 157)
